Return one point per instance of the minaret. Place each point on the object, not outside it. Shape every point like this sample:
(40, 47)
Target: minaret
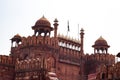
(55, 27)
(82, 36)
(82, 68)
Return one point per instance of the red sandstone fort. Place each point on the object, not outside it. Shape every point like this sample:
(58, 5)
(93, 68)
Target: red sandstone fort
(33, 57)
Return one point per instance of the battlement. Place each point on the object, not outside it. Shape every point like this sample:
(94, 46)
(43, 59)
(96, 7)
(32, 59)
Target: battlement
(6, 68)
(36, 41)
(6, 60)
(108, 58)
(66, 45)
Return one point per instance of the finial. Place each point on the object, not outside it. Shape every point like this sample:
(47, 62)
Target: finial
(17, 34)
(43, 16)
(101, 38)
(82, 30)
(55, 20)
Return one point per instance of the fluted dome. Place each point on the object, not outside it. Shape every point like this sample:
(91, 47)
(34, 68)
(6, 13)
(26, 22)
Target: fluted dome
(43, 22)
(101, 42)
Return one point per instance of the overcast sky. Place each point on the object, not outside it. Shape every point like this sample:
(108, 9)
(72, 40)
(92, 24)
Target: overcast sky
(96, 17)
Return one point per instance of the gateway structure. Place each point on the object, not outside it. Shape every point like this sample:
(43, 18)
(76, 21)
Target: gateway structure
(33, 57)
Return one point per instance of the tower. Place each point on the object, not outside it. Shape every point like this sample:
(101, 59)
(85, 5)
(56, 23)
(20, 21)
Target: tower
(101, 45)
(82, 40)
(55, 27)
(82, 69)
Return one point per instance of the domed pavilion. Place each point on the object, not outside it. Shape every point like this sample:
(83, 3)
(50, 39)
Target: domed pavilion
(100, 45)
(42, 26)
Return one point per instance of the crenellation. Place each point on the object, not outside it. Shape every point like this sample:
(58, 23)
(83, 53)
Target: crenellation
(36, 41)
(6, 60)
(6, 67)
(101, 58)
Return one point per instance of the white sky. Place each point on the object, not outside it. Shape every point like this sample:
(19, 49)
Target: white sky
(97, 17)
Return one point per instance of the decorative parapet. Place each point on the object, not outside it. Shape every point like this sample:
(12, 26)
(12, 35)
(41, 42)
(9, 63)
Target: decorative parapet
(36, 41)
(105, 58)
(6, 61)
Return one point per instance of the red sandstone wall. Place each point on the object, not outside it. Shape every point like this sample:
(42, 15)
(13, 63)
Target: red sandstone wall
(68, 72)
